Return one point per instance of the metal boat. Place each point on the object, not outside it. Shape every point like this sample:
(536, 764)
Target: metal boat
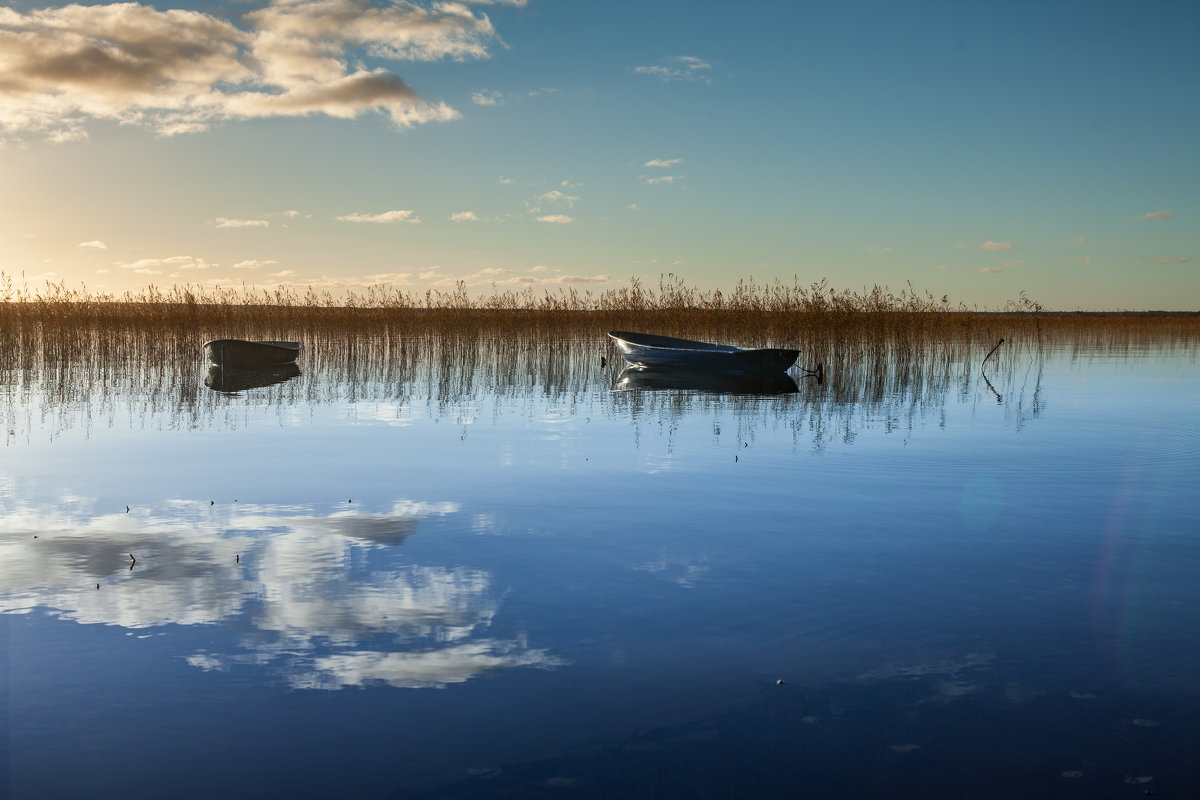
(668, 352)
(240, 353)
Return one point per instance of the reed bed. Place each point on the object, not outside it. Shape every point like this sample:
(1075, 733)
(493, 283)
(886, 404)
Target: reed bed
(58, 325)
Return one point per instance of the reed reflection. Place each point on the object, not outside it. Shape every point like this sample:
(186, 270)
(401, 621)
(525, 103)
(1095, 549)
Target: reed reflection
(46, 395)
(285, 572)
(232, 379)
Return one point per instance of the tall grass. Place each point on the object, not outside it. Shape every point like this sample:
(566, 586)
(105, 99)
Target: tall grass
(829, 324)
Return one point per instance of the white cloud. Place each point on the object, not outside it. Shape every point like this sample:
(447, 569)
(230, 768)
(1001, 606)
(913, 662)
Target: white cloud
(507, 181)
(290, 213)
(1183, 259)
(97, 244)
(178, 71)
(487, 98)
(995, 246)
(878, 249)
(661, 179)
(287, 273)
(1082, 259)
(253, 264)
(632, 206)
(1157, 215)
(678, 68)
(225, 222)
(1162, 260)
(464, 216)
(1018, 262)
(382, 218)
(559, 218)
(986, 270)
(149, 266)
(663, 162)
(555, 196)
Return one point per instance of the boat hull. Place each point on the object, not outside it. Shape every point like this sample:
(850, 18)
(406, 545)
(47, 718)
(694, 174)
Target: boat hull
(668, 352)
(243, 354)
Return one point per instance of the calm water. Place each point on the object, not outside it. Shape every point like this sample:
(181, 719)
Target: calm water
(510, 571)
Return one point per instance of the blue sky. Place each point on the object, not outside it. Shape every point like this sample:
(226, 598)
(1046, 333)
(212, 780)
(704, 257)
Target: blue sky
(974, 150)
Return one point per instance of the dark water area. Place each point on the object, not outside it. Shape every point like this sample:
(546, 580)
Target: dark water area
(439, 568)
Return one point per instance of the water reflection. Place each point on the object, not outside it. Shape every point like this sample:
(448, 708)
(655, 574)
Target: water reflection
(632, 378)
(44, 391)
(292, 579)
(231, 379)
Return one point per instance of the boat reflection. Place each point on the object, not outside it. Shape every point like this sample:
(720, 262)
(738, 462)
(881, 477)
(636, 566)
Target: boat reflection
(633, 378)
(232, 379)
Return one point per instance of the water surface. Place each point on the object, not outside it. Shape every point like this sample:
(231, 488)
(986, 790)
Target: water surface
(471, 570)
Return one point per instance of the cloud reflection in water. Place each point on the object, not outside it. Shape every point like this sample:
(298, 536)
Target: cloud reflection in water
(315, 615)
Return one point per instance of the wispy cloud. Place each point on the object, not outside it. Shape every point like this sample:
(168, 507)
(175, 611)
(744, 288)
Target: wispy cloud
(382, 218)
(663, 162)
(559, 218)
(464, 216)
(678, 68)
(179, 71)
(655, 179)
(1082, 259)
(555, 196)
(225, 222)
(487, 98)
(995, 246)
(987, 270)
(156, 266)
(1162, 260)
(878, 249)
(1016, 263)
(254, 264)
(1156, 215)
(96, 243)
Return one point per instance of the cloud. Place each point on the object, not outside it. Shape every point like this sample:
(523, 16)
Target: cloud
(464, 216)
(287, 273)
(381, 218)
(559, 218)
(507, 181)
(253, 264)
(97, 244)
(660, 179)
(1162, 260)
(290, 213)
(555, 196)
(225, 222)
(1017, 262)
(632, 207)
(178, 71)
(1082, 259)
(150, 266)
(986, 270)
(1157, 215)
(487, 98)
(678, 68)
(877, 249)
(1183, 259)
(663, 162)
(995, 246)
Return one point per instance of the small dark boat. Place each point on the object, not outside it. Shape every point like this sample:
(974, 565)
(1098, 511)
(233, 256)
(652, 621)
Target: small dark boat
(235, 379)
(650, 350)
(240, 353)
(705, 381)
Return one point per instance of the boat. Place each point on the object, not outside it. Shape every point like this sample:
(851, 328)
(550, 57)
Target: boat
(240, 353)
(705, 381)
(231, 380)
(668, 352)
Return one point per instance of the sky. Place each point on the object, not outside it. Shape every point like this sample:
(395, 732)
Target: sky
(976, 150)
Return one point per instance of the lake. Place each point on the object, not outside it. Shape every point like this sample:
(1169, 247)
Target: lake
(508, 568)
